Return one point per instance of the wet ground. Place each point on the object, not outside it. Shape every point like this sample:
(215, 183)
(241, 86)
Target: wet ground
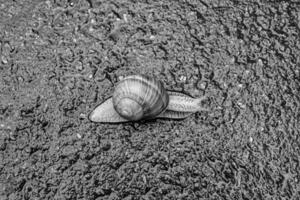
(59, 59)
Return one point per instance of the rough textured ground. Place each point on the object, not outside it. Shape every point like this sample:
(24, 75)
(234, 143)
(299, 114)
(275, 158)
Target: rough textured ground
(59, 59)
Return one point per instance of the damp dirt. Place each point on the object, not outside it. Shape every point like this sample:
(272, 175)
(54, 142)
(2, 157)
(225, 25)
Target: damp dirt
(59, 59)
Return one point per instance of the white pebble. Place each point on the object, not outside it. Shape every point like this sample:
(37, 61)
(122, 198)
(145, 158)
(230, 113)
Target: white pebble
(182, 78)
(250, 139)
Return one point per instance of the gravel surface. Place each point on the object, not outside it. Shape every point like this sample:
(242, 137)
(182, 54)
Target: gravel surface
(59, 59)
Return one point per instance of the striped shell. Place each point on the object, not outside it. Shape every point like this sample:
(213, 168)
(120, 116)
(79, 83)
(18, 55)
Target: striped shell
(140, 97)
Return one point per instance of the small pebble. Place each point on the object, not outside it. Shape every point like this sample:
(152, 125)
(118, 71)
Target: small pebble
(120, 78)
(182, 78)
(79, 66)
(260, 62)
(125, 18)
(91, 29)
(93, 21)
(202, 85)
(241, 105)
(250, 139)
(82, 116)
(4, 60)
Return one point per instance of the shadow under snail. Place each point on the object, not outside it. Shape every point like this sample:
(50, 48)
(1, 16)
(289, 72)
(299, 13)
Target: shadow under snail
(139, 97)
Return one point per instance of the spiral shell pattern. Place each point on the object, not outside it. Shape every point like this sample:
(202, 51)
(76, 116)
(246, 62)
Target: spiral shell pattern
(149, 96)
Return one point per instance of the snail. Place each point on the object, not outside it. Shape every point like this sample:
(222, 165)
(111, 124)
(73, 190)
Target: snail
(139, 97)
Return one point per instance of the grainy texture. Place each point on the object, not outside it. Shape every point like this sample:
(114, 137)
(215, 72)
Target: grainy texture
(59, 59)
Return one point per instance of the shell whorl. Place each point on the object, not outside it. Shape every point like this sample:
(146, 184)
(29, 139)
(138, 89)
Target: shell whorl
(140, 97)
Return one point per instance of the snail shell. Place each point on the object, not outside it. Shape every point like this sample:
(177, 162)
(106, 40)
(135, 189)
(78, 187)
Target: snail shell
(140, 97)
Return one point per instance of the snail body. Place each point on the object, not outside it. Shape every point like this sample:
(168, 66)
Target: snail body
(140, 97)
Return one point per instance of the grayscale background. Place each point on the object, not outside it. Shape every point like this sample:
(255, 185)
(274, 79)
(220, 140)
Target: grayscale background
(59, 59)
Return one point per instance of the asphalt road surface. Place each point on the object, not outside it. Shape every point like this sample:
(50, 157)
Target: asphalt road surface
(59, 59)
